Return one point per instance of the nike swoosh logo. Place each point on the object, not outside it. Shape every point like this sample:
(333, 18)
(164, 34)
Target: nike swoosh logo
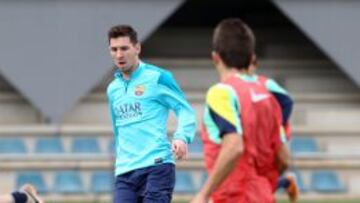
(255, 97)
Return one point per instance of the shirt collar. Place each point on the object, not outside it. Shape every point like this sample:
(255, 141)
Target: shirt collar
(133, 75)
(247, 78)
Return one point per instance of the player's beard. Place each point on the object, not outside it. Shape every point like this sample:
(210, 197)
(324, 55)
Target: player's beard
(127, 69)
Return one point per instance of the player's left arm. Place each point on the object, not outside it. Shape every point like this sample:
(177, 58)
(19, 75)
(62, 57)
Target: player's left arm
(283, 97)
(285, 101)
(279, 142)
(282, 158)
(173, 97)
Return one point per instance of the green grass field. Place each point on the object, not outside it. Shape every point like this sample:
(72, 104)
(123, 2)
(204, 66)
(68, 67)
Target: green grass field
(307, 201)
(325, 201)
(312, 201)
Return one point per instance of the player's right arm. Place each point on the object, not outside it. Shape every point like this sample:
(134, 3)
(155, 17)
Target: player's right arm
(231, 149)
(224, 112)
(286, 104)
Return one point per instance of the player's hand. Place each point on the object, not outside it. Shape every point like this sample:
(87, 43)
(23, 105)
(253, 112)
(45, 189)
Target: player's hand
(179, 148)
(199, 198)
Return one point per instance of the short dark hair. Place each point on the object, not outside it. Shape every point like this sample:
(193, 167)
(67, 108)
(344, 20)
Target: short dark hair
(234, 41)
(123, 31)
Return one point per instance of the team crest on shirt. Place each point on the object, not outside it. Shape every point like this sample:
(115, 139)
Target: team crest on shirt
(139, 90)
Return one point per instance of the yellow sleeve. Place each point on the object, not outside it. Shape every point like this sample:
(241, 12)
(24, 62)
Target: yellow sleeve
(224, 108)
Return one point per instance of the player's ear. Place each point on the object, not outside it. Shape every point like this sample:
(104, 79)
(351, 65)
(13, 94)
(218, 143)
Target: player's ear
(253, 64)
(254, 60)
(138, 47)
(215, 57)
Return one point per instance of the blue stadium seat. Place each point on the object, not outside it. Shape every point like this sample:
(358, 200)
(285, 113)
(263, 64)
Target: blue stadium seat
(111, 147)
(68, 182)
(33, 177)
(102, 182)
(203, 178)
(184, 183)
(326, 181)
(303, 145)
(85, 145)
(49, 145)
(12, 145)
(196, 147)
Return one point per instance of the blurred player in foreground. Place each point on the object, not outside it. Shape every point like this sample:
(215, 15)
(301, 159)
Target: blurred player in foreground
(241, 125)
(26, 194)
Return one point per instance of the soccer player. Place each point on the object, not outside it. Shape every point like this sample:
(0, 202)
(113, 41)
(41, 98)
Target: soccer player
(288, 181)
(242, 123)
(140, 97)
(26, 194)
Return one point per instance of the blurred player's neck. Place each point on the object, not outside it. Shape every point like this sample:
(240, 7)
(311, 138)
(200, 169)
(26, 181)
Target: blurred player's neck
(228, 72)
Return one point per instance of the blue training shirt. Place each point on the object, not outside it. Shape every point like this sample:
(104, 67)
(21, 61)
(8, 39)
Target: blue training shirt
(139, 110)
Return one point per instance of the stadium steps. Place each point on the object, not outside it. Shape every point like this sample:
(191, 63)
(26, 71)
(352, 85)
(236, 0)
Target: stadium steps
(187, 198)
(84, 185)
(310, 108)
(106, 129)
(317, 86)
(93, 164)
(321, 92)
(199, 96)
(315, 161)
(30, 135)
(172, 42)
(92, 181)
(199, 73)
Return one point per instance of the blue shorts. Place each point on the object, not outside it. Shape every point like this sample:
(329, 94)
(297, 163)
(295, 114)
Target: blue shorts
(153, 184)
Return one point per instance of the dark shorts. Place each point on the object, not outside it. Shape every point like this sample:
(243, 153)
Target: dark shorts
(153, 184)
